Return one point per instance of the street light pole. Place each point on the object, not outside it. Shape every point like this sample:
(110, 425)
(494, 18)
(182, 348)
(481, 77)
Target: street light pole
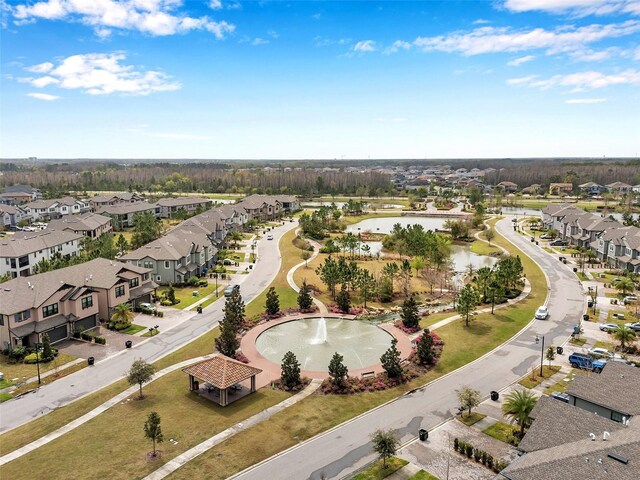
(541, 353)
(38, 362)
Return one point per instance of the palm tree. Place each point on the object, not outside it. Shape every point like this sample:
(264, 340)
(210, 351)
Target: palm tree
(517, 408)
(122, 315)
(624, 335)
(624, 285)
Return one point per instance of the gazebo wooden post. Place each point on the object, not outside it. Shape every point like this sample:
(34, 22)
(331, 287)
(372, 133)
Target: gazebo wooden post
(253, 383)
(223, 397)
(191, 386)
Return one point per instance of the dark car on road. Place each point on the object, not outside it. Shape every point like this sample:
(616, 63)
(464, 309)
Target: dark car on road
(558, 243)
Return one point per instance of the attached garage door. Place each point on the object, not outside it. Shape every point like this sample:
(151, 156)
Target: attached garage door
(57, 334)
(85, 323)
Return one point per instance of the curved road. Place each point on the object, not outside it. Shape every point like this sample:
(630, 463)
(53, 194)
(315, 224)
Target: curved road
(67, 389)
(344, 449)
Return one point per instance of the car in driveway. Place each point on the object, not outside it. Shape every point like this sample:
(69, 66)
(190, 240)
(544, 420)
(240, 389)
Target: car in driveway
(587, 362)
(558, 243)
(630, 299)
(546, 236)
(635, 326)
(608, 327)
(599, 352)
(542, 313)
(147, 307)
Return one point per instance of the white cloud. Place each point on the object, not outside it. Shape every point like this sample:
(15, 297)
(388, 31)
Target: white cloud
(580, 81)
(101, 74)
(636, 55)
(215, 4)
(585, 101)
(516, 62)
(480, 21)
(43, 96)
(259, 41)
(504, 39)
(578, 8)
(40, 68)
(365, 46)
(397, 45)
(272, 33)
(154, 17)
(325, 42)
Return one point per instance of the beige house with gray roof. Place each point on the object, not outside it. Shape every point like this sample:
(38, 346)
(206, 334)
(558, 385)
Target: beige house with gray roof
(56, 208)
(123, 215)
(92, 225)
(170, 206)
(68, 299)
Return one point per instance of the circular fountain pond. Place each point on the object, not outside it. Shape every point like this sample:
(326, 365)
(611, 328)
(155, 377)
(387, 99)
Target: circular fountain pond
(315, 340)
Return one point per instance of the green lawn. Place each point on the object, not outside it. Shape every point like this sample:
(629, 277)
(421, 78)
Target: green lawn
(469, 420)
(578, 341)
(423, 475)
(533, 379)
(434, 318)
(377, 471)
(5, 396)
(582, 276)
(501, 431)
(22, 371)
(185, 294)
(5, 383)
(483, 248)
(114, 440)
(133, 329)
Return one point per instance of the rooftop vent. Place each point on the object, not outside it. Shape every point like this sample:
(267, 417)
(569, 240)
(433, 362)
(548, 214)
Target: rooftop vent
(618, 458)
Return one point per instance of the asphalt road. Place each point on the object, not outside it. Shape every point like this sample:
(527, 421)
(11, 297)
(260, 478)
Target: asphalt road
(347, 447)
(67, 389)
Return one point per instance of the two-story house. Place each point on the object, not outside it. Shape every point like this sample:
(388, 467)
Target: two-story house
(170, 206)
(618, 187)
(123, 215)
(11, 215)
(56, 208)
(19, 194)
(592, 188)
(92, 225)
(630, 258)
(99, 201)
(182, 253)
(234, 216)
(261, 207)
(560, 188)
(68, 299)
(22, 251)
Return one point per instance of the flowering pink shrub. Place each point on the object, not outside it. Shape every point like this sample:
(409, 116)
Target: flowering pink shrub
(408, 331)
(240, 357)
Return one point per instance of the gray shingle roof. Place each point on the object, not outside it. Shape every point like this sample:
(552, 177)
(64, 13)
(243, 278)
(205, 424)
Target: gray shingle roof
(86, 221)
(24, 243)
(68, 201)
(617, 387)
(183, 201)
(125, 208)
(17, 295)
(557, 423)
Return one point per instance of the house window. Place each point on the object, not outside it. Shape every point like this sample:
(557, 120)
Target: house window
(49, 310)
(87, 302)
(119, 291)
(1, 320)
(616, 417)
(158, 278)
(166, 264)
(22, 316)
(134, 282)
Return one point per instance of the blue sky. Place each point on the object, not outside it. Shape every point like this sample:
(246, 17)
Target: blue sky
(313, 79)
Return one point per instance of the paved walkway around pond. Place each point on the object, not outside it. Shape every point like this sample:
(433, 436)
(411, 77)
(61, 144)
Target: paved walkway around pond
(173, 465)
(322, 308)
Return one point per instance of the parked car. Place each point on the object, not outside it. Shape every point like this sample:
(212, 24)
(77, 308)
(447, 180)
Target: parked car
(630, 299)
(600, 352)
(558, 243)
(269, 237)
(542, 313)
(635, 326)
(229, 290)
(608, 327)
(587, 362)
(148, 306)
(546, 236)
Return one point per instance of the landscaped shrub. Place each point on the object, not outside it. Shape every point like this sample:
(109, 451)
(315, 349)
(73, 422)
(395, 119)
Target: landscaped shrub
(100, 340)
(489, 461)
(160, 314)
(468, 450)
(477, 454)
(193, 281)
(86, 336)
(166, 302)
(16, 354)
(499, 465)
(76, 334)
(31, 359)
(203, 283)
(455, 444)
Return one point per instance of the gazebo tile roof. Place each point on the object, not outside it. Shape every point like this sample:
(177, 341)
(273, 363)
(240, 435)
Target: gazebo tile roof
(221, 372)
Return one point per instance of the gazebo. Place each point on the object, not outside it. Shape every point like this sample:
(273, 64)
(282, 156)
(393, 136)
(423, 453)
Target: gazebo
(222, 373)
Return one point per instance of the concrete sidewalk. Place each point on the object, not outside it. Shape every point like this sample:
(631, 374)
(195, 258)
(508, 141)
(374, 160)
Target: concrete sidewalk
(170, 467)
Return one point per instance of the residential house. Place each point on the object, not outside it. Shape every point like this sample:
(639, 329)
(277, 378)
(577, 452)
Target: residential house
(587, 228)
(92, 225)
(630, 258)
(68, 299)
(99, 201)
(190, 205)
(533, 189)
(592, 188)
(554, 213)
(261, 207)
(289, 203)
(123, 215)
(508, 187)
(11, 216)
(234, 216)
(565, 441)
(182, 253)
(18, 194)
(58, 207)
(612, 394)
(560, 188)
(211, 222)
(20, 252)
(619, 187)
